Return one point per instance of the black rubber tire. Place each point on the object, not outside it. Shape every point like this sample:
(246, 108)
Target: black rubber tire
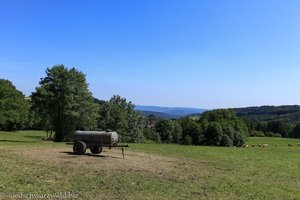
(96, 150)
(79, 148)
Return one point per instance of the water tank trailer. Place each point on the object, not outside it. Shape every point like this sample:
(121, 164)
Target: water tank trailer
(95, 141)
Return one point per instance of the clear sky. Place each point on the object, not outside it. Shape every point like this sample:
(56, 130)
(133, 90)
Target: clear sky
(208, 54)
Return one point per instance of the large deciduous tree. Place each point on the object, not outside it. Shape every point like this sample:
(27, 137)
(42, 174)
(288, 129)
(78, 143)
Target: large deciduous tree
(223, 128)
(119, 115)
(63, 99)
(191, 130)
(124, 119)
(165, 128)
(170, 131)
(13, 107)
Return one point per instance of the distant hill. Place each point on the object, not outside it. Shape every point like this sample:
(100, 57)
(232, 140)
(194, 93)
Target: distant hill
(287, 114)
(168, 112)
(157, 114)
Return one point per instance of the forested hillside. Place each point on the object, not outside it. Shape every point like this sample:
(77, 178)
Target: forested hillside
(274, 121)
(157, 114)
(285, 114)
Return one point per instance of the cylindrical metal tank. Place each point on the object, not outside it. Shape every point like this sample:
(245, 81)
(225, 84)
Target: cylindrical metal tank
(100, 137)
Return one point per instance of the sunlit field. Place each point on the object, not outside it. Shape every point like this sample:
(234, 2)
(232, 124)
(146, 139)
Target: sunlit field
(30, 165)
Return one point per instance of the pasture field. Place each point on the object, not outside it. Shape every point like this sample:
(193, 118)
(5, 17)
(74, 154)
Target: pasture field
(30, 167)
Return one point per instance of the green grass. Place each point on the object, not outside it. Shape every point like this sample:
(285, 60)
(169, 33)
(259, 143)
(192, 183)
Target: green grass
(198, 172)
(25, 138)
(22, 136)
(242, 173)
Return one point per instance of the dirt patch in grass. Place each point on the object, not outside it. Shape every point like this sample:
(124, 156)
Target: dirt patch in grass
(108, 160)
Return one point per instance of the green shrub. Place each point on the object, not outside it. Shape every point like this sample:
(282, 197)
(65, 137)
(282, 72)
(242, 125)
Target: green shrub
(257, 134)
(187, 140)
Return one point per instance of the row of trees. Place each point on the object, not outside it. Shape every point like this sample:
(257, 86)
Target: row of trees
(275, 121)
(214, 128)
(286, 114)
(62, 103)
(273, 129)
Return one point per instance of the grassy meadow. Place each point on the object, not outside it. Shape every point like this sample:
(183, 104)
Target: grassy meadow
(149, 171)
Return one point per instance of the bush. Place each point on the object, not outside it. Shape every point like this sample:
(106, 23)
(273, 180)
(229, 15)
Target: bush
(271, 134)
(149, 142)
(277, 135)
(187, 140)
(257, 134)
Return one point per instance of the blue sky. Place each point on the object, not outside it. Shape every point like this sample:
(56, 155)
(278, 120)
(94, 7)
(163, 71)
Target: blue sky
(209, 54)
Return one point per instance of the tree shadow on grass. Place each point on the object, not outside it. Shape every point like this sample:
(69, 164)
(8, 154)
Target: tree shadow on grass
(87, 154)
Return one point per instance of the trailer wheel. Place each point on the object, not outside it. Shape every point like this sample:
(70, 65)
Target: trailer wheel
(96, 150)
(79, 148)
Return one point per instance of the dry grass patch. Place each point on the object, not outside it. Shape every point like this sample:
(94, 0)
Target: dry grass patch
(108, 160)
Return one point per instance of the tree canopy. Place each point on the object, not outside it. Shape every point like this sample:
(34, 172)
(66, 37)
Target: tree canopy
(169, 131)
(63, 99)
(223, 128)
(13, 107)
(119, 115)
